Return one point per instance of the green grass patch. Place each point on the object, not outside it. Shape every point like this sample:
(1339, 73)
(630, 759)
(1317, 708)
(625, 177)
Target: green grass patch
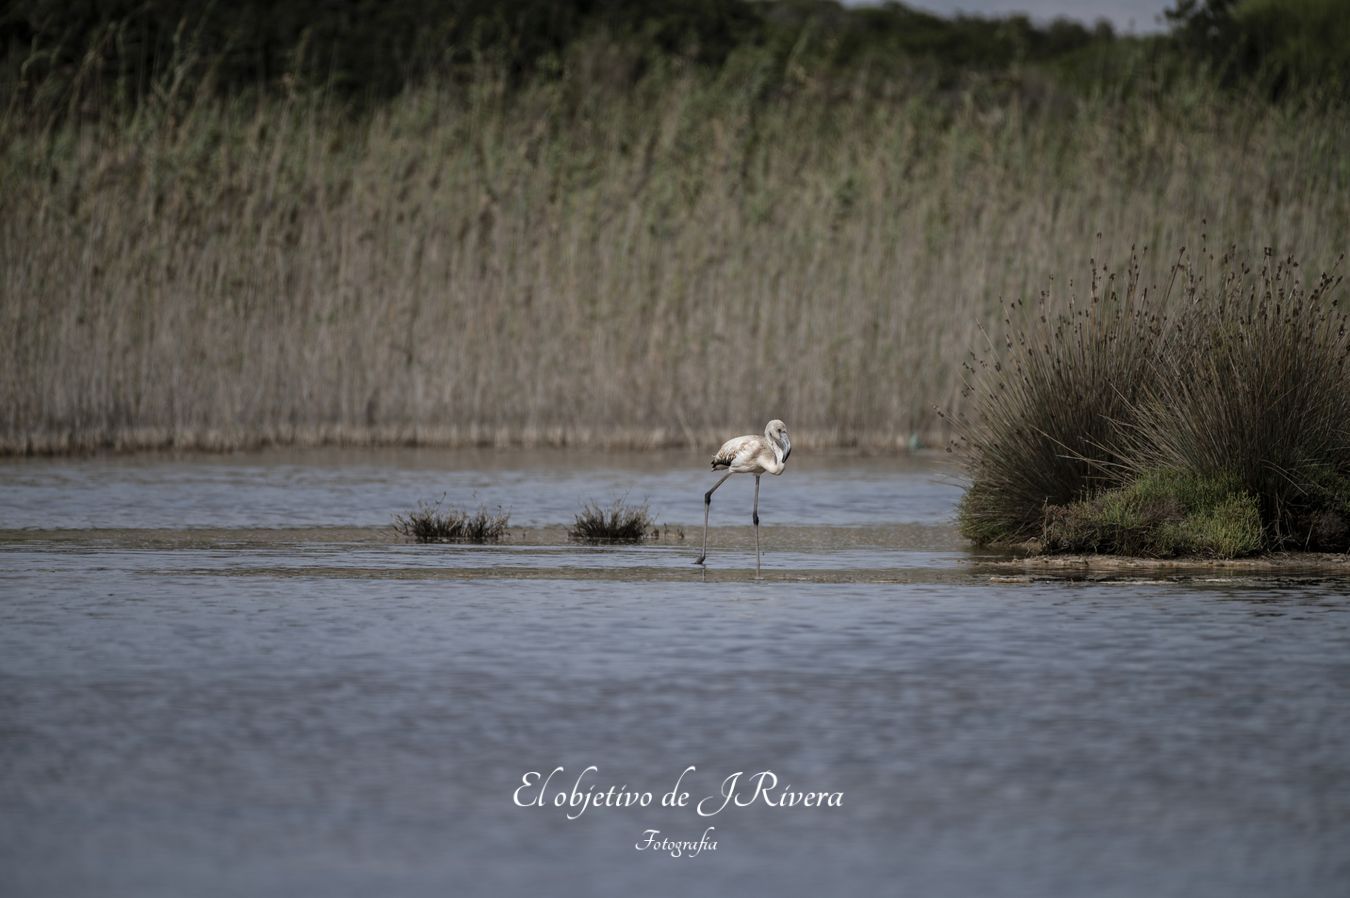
(1160, 515)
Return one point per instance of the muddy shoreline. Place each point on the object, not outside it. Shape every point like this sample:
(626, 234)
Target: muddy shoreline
(899, 553)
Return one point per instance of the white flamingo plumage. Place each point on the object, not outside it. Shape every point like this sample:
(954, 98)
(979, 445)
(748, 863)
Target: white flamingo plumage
(751, 454)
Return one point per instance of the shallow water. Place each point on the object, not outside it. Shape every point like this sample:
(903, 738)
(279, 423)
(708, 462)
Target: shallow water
(367, 488)
(328, 711)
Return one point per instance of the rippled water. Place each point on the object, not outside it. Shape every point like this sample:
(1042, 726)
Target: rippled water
(311, 712)
(335, 487)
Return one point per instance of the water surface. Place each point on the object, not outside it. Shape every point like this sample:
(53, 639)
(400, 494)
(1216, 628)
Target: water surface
(329, 711)
(367, 488)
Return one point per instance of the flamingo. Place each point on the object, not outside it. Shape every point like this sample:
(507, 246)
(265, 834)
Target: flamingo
(750, 454)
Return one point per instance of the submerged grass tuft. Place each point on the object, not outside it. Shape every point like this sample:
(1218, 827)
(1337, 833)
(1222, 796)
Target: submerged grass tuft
(619, 523)
(428, 524)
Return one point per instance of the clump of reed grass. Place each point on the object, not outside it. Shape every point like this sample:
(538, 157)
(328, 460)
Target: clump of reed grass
(1232, 382)
(1255, 385)
(618, 522)
(1046, 407)
(427, 523)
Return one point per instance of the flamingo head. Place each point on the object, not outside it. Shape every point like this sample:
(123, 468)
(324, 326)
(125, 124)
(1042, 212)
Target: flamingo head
(777, 433)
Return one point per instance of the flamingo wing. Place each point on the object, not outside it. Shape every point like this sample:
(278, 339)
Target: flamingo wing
(738, 452)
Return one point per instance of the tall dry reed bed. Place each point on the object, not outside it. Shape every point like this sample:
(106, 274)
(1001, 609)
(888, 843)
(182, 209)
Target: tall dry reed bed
(1211, 417)
(575, 262)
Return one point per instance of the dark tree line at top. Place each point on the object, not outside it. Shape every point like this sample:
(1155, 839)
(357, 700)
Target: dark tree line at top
(372, 48)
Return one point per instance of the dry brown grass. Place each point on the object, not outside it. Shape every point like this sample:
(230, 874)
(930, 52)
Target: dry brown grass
(576, 264)
(427, 523)
(618, 522)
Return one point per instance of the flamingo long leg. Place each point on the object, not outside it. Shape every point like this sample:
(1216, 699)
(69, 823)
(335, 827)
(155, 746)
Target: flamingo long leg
(756, 520)
(707, 506)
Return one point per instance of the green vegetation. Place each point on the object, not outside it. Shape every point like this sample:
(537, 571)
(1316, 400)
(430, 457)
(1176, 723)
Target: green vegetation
(1160, 515)
(1209, 419)
(588, 224)
(1283, 47)
(368, 52)
(1041, 417)
(428, 524)
(617, 523)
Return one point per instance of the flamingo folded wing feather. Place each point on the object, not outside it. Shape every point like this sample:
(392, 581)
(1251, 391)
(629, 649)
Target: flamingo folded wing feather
(736, 452)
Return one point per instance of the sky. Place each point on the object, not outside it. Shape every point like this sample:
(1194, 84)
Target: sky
(1133, 16)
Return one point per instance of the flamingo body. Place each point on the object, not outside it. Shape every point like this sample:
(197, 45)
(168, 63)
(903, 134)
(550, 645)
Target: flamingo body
(751, 454)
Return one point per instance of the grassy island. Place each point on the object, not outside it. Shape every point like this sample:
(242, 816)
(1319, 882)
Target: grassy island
(1210, 418)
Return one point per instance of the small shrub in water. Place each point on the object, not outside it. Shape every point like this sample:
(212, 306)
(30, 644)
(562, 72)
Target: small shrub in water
(428, 524)
(619, 523)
